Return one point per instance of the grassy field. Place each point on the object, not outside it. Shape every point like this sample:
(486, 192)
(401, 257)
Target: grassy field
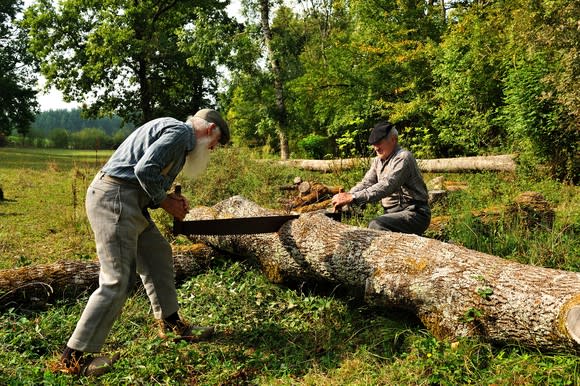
(267, 334)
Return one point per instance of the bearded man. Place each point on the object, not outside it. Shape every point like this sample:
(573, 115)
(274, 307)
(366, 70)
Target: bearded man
(394, 179)
(136, 178)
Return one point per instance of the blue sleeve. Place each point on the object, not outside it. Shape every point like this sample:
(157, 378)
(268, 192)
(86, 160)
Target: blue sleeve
(163, 154)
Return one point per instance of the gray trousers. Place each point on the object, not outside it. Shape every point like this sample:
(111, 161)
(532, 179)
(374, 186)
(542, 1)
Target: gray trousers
(128, 243)
(411, 219)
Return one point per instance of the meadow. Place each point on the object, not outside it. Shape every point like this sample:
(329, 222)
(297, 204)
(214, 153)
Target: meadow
(267, 334)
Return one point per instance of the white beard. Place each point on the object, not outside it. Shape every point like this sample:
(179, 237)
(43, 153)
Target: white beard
(196, 161)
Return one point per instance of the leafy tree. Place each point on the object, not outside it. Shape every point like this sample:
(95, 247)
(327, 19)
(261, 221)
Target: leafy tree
(469, 82)
(374, 65)
(128, 57)
(59, 138)
(542, 84)
(259, 100)
(274, 73)
(90, 138)
(17, 79)
(73, 121)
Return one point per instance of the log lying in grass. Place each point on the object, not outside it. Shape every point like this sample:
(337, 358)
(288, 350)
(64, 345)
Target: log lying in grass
(36, 286)
(499, 163)
(453, 290)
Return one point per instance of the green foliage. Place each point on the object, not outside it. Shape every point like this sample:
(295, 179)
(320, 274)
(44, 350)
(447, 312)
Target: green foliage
(508, 236)
(17, 74)
(315, 146)
(73, 120)
(372, 65)
(127, 58)
(91, 138)
(59, 138)
(468, 88)
(535, 118)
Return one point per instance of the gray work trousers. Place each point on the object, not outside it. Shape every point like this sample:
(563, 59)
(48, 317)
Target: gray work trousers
(414, 218)
(128, 243)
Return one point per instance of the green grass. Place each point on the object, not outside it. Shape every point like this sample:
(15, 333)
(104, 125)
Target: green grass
(267, 334)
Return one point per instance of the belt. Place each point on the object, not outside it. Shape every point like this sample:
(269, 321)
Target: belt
(117, 180)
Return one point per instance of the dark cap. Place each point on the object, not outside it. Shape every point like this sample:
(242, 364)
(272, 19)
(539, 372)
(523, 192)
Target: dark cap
(213, 116)
(380, 131)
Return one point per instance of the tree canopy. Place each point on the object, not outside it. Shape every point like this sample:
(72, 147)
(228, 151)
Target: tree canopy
(138, 60)
(17, 73)
(456, 77)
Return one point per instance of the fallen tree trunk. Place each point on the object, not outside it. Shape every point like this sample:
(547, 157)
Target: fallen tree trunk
(453, 290)
(36, 286)
(499, 163)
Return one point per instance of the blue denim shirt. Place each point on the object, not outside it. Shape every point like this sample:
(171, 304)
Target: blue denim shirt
(152, 156)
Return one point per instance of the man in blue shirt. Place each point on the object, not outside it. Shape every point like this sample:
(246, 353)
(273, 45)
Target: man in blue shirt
(136, 178)
(394, 178)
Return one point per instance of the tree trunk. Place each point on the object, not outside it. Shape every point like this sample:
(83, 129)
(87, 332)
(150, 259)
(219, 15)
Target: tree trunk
(453, 290)
(36, 286)
(500, 163)
(281, 113)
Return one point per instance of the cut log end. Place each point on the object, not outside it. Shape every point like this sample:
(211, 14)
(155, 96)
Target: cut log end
(573, 323)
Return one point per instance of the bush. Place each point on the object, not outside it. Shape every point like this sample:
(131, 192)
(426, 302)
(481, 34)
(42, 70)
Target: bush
(314, 146)
(534, 117)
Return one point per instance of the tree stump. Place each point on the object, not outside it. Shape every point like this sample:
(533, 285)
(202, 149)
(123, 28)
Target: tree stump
(454, 291)
(533, 210)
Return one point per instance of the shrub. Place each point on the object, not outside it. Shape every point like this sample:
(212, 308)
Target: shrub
(314, 146)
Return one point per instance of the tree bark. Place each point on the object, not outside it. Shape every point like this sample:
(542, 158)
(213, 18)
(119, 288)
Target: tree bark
(454, 291)
(37, 286)
(282, 115)
(499, 163)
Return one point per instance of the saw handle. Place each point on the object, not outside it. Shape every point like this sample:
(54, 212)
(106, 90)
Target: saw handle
(177, 224)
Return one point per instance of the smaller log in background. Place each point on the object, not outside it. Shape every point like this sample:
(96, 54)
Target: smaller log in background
(454, 291)
(37, 286)
(498, 163)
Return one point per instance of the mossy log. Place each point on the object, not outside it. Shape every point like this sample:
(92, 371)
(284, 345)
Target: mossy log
(36, 286)
(454, 291)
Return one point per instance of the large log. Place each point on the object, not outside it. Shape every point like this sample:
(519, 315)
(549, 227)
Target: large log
(36, 286)
(499, 163)
(455, 291)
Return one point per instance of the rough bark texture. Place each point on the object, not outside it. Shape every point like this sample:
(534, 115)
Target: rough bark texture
(281, 111)
(500, 163)
(36, 286)
(453, 290)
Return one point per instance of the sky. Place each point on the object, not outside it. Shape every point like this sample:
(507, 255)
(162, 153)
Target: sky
(52, 100)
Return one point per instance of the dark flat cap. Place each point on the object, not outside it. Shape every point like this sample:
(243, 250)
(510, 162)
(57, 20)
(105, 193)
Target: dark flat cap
(380, 131)
(213, 116)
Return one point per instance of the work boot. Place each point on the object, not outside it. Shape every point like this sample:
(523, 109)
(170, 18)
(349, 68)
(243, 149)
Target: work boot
(180, 330)
(74, 362)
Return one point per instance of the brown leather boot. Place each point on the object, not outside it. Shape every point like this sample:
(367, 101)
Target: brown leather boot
(181, 330)
(75, 362)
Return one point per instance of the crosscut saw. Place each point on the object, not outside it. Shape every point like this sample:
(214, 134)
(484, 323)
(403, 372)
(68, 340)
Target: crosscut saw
(236, 226)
